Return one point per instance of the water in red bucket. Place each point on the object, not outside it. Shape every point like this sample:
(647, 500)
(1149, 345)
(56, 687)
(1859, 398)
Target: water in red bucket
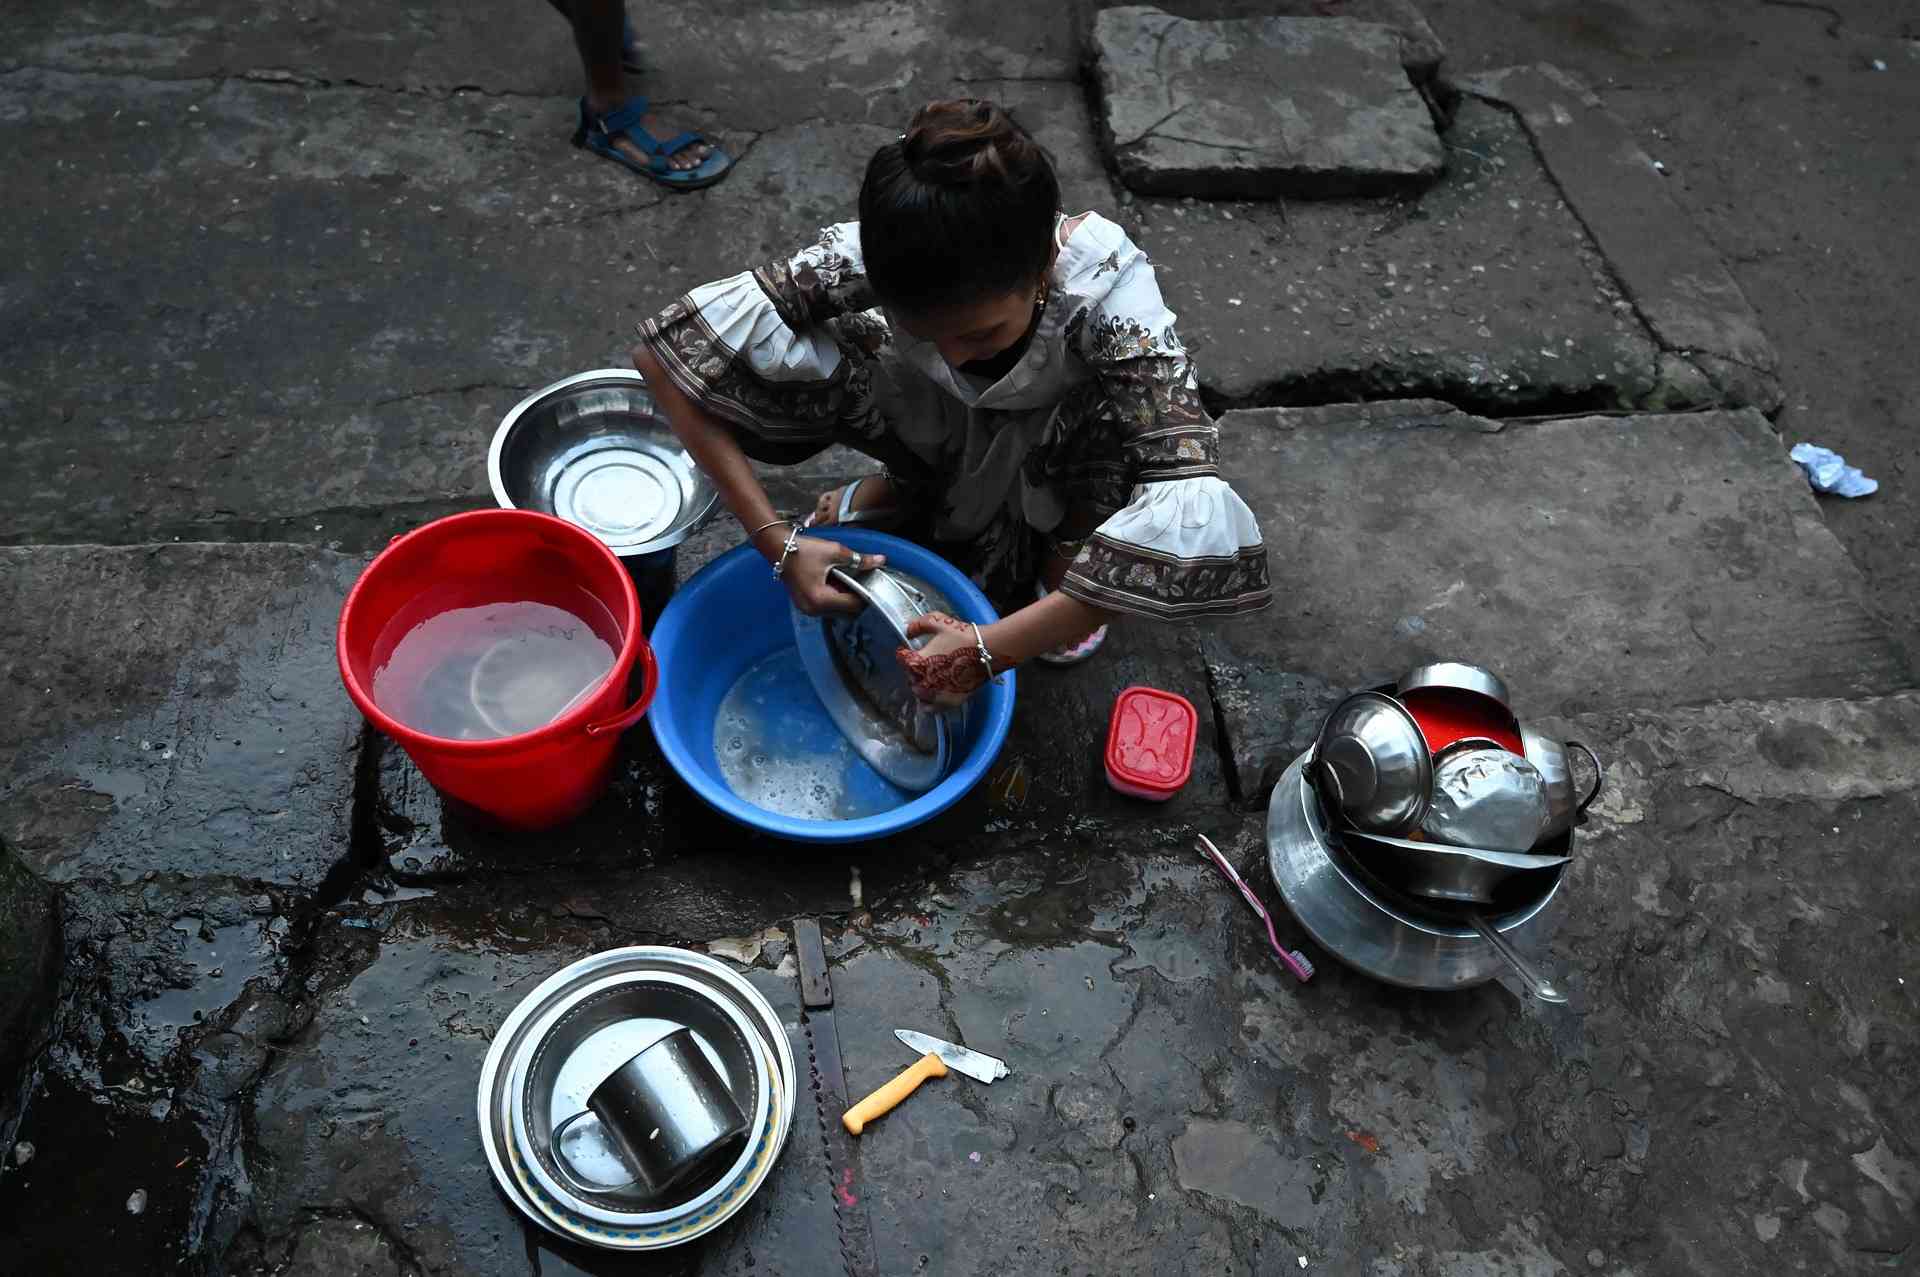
(496, 647)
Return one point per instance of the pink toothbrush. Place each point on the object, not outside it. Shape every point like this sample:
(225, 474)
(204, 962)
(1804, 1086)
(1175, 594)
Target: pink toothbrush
(1292, 959)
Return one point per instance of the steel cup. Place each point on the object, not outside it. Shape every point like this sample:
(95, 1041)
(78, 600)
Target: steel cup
(668, 1115)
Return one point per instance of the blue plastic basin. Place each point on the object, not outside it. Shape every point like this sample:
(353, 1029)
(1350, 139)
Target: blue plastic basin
(731, 615)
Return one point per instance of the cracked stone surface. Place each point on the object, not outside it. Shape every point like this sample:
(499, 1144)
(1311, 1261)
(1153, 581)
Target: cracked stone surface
(1675, 277)
(276, 275)
(1255, 108)
(1484, 290)
(1592, 561)
(29, 976)
(1421, 51)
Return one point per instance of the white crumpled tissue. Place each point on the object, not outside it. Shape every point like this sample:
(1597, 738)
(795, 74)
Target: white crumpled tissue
(1828, 471)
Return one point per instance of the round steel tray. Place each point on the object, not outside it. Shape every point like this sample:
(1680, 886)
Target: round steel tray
(496, 1130)
(586, 1034)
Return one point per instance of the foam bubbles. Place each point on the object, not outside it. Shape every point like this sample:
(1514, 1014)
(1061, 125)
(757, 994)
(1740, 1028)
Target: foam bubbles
(778, 749)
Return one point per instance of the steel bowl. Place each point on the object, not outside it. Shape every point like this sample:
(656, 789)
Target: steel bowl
(1486, 798)
(1458, 676)
(1436, 871)
(1564, 809)
(1371, 762)
(595, 450)
(1372, 930)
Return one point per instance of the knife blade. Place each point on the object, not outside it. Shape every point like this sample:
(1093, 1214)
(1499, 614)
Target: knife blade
(980, 1067)
(829, 1080)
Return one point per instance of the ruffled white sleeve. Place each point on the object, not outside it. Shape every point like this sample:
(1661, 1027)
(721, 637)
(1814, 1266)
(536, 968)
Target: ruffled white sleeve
(1185, 545)
(761, 349)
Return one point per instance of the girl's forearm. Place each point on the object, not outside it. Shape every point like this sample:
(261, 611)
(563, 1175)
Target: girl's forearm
(716, 452)
(1054, 621)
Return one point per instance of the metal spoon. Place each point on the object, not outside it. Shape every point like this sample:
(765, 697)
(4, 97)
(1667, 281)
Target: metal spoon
(1538, 985)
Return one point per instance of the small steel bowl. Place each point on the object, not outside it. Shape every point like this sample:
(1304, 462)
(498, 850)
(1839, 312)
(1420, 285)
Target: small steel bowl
(1486, 798)
(1459, 676)
(1437, 871)
(1372, 764)
(595, 450)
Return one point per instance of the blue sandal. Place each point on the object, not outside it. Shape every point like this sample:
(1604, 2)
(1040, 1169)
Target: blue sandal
(599, 133)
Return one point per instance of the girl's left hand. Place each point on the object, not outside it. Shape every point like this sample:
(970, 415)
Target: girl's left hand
(946, 669)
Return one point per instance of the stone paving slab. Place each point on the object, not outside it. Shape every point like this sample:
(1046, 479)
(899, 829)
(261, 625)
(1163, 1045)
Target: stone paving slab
(1257, 108)
(750, 66)
(1675, 277)
(1484, 290)
(175, 708)
(1594, 562)
(1180, 1092)
(393, 273)
(1421, 50)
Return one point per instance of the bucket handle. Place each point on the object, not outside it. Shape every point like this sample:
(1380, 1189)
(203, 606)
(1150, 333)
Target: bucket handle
(649, 683)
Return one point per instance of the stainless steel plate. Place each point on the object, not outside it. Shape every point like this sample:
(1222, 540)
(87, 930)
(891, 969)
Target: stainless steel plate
(496, 1133)
(851, 664)
(1356, 925)
(585, 1035)
(594, 450)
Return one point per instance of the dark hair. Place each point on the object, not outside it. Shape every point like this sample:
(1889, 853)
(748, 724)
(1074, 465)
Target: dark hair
(960, 209)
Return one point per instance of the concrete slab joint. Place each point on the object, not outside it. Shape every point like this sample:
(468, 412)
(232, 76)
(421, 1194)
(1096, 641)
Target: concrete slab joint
(1674, 276)
(1260, 108)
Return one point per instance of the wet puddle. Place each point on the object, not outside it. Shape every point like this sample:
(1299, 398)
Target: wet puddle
(66, 1210)
(223, 958)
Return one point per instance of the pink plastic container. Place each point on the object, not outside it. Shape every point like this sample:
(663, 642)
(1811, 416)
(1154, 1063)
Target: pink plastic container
(1150, 743)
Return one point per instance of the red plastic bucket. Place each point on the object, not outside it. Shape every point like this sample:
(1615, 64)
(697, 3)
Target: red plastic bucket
(537, 779)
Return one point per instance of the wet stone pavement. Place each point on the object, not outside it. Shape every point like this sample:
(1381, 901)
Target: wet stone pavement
(279, 275)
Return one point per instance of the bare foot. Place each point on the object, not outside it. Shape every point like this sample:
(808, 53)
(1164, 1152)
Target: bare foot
(874, 493)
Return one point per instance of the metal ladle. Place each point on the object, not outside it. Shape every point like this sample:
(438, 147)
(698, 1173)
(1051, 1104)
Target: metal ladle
(1538, 985)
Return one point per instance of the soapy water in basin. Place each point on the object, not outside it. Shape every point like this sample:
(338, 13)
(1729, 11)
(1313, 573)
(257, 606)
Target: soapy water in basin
(477, 673)
(779, 749)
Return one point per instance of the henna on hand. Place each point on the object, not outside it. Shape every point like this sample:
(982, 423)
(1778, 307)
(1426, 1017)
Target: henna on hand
(943, 676)
(936, 623)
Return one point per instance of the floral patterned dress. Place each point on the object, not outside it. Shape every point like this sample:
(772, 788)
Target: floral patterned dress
(1094, 441)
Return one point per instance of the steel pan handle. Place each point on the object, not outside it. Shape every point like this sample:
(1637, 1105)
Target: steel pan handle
(1599, 781)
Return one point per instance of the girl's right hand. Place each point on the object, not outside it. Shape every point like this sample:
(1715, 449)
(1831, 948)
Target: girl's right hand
(806, 575)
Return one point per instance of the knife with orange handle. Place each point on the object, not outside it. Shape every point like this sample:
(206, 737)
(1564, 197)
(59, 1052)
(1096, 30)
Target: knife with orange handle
(936, 1057)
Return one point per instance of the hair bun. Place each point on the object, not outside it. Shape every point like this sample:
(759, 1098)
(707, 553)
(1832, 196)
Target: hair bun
(961, 141)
